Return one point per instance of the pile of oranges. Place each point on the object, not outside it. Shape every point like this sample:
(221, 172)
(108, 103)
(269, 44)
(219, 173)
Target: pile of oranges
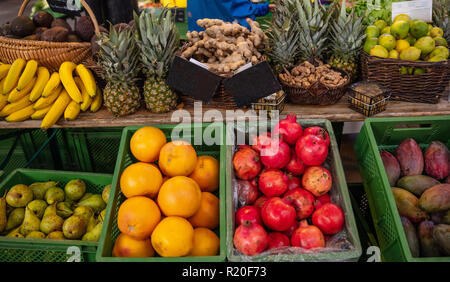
(170, 207)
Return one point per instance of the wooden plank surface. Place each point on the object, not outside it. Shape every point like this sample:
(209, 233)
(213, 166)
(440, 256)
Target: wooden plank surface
(338, 113)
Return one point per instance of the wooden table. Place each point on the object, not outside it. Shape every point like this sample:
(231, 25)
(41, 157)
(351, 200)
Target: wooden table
(339, 112)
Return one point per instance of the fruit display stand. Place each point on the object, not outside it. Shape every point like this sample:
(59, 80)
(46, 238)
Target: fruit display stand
(49, 250)
(386, 134)
(339, 194)
(110, 229)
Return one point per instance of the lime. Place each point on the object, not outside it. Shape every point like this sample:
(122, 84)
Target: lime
(386, 30)
(400, 29)
(403, 70)
(401, 45)
(411, 40)
(436, 31)
(370, 42)
(440, 41)
(379, 51)
(372, 31)
(393, 54)
(418, 28)
(426, 44)
(381, 24)
(387, 41)
(436, 59)
(410, 54)
(402, 17)
(419, 71)
(440, 51)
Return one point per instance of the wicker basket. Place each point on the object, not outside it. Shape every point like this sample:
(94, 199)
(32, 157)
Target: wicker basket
(48, 54)
(424, 88)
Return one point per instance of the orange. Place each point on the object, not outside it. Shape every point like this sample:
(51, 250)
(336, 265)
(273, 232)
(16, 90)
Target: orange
(179, 196)
(127, 246)
(177, 158)
(206, 243)
(206, 173)
(146, 143)
(173, 237)
(138, 216)
(141, 179)
(208, 213)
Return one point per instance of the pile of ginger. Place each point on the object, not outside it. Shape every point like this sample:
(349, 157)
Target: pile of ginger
(224, 46)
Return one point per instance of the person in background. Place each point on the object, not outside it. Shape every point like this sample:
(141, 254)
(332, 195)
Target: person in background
(226, 10)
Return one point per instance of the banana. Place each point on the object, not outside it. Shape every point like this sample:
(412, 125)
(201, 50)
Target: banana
(21, 115)
(56, 110)
(15, 95)
(13, 75)
(3, 101)
(51, 85)
(4, 70)
(2, 82)
(43, 75)
(40, 114)
(87, 99)
(44, 102)
(72, 111)
(27, 74)
(97, 102)
(88, 79)
(16, 106)
(65, 74)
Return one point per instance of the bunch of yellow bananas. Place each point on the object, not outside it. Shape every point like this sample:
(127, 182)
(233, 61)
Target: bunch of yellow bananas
(29, 91)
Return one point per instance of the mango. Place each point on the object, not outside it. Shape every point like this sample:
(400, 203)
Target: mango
(407, 205)
(441, 235)
(417, 184)
(437, 160)
(391, 166)
(410, 158)
(411, 236)
(436, 198)
(428, 247)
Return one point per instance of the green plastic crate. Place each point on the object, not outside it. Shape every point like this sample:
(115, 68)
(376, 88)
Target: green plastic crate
(339, 190)
(386, 134)
(47, 250)
(125, 158)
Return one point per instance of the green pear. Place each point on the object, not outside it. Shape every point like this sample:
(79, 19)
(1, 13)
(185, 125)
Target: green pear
(95, 202)
(15, 233)
(86, 196)
(63, 209)
(84, 211)
(54, 194)
(74, 227)
(94, 234)
(92, 222)
(101, 216)
(106, 192)
(51, 209)
(38, 207)
(35, 235)
(3, 218)
(40, 188)
(50, 223)
(19, 196)
(15, 218)
(75, 189)
(58, 235)
(30, 222)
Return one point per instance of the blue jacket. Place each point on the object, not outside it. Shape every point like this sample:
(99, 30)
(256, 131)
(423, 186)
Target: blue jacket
(227, 10)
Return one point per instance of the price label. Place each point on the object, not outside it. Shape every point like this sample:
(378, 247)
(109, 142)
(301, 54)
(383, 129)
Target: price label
(417, 9)
(68, 7)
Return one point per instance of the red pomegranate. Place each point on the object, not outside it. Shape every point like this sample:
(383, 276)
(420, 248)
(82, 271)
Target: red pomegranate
(247, 192)
(246, 163)
(317, 180)
(273, 182)
(329, 218)
(318, 131)
(293, 182)
(288, 129)
(250, 239)
(311, 149)
(302, 201)
(307, 237)
(260, 201)
(251, 214)
(295, 166)
(277, 214)
(277, 240)
(276, 155)
(261, 141)
(291, 229)
(320, 201)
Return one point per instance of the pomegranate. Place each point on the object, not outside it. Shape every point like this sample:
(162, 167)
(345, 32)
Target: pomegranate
(246, 163)
(250, 239)
(248, 213)
(277, 240)
(307, 237)
(318, 131)
(261, 141)
(317, 180)
(291, 229)
(311, 149)
(293, 182)
(273, 182)
(260, 201)
(276, 154)
(329, 219)
(277, 214)
(302, 201)
(320, 201)
(295, 166)
(247, 192)
(289, 129)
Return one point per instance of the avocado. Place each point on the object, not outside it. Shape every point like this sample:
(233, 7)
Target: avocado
(5, 29)
(61, 23)
(55, 34)
(43, 19)
(22, 26)
(73, 38)
(31, 37)
(84, 28)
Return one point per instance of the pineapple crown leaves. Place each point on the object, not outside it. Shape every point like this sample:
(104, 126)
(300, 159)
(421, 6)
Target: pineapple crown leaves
(441, 12)
(158, 39)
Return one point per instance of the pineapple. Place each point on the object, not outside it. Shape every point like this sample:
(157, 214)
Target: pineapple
(441, 11)
(346, 38)
(119, 58)
(158, 40)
